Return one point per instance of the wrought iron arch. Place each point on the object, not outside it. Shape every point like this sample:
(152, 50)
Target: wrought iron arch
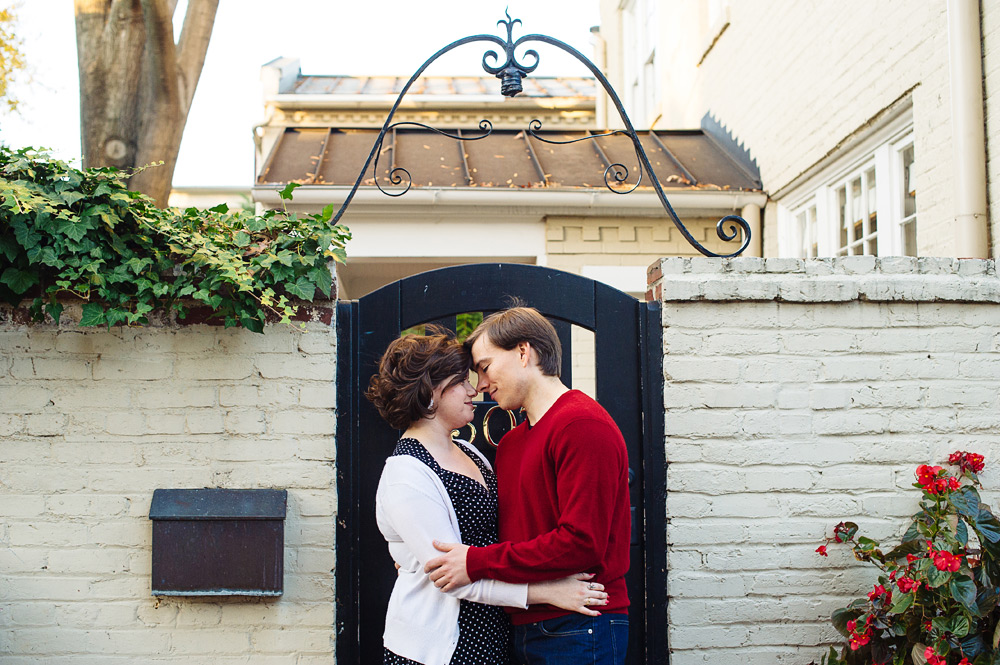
(511, 72)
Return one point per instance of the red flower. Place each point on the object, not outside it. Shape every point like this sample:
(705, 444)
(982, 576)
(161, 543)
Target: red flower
(964, 661)
(858, 641)
(967, 461)
(910, 558)
(878, 592)
(852, 625)
(928, 626)
(933, 658)
(926, 474)
(947, 561)
(906, 585)
(822, 550)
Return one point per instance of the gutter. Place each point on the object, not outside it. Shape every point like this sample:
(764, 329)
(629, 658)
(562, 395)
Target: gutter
(597, 201)
(968, 128)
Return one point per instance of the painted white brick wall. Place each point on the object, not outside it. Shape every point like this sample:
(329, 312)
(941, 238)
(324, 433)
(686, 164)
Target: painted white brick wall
(92, 421)
(799, 394)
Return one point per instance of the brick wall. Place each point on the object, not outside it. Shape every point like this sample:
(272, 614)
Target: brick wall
(799, 394)
(92, 421)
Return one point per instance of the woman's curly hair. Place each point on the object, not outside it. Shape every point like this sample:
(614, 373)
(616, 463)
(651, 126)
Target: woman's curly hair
(410, 369)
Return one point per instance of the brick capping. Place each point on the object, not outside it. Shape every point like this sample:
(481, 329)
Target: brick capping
(319, 311)
(844, 279)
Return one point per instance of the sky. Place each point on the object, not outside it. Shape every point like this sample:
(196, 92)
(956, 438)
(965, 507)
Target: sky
(349, 37)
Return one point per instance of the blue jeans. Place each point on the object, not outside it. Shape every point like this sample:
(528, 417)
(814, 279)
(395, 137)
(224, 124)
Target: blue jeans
(573, 640)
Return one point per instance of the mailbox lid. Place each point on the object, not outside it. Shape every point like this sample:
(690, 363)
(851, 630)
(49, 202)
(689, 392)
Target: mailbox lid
(218, 504)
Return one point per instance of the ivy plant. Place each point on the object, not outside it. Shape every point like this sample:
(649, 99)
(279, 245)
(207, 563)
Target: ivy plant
(81, 234)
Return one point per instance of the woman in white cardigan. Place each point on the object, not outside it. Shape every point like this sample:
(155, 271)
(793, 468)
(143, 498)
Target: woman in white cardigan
(436, 488)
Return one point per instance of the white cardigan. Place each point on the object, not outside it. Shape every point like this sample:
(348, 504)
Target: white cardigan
(412, 509)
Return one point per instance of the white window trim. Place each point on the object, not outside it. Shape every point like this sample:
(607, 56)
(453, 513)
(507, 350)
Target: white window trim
(883, 146)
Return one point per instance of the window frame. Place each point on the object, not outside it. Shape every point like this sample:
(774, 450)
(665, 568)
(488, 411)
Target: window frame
(881, 151)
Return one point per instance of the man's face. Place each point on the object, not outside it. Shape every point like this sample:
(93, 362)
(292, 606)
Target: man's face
(501, 373)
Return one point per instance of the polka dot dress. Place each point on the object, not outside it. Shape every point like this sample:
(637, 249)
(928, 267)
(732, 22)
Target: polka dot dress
(483, 630)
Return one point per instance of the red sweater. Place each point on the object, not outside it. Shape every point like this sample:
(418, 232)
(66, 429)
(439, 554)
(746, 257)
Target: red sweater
(563, 503)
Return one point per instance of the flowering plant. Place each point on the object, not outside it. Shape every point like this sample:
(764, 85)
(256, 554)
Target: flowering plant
(936, 599)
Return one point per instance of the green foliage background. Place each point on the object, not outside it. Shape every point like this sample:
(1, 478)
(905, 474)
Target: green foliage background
(71, 233)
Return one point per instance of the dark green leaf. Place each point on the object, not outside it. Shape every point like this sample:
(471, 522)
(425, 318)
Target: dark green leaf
(962, 532)
(901, 602)
(973, 645)
(904, 548)
(912, 533)
(54, 310)
(9, 247)
(250, 323)
(987, 526)
(323, 280)
(17, 280)
(966, 501)
(286, 193)
(936, 578)
(958, 625)
(242, 239)
(987, 600)
(26, 235)
(302, 288)
(221, 208)
(93, 315)
(963, 590)
(841, 616)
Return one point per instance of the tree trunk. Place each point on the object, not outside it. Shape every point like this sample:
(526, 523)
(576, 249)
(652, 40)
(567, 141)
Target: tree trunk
(136, 84)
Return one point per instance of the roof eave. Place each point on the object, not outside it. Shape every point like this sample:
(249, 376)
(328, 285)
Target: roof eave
(595, 200)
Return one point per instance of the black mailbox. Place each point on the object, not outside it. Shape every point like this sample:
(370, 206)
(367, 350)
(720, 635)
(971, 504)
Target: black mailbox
(218, 542)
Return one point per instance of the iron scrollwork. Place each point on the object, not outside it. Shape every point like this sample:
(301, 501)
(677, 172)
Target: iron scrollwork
(511, 72)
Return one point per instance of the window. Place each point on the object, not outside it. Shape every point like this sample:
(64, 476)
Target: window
(865, 202)
(640, 36)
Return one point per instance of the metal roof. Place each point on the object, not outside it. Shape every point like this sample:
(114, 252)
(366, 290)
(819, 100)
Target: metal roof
(682, 159)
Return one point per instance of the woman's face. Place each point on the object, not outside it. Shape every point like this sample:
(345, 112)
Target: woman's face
(455, 407)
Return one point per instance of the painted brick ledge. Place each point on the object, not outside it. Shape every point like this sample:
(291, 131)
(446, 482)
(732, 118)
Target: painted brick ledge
(891, 279)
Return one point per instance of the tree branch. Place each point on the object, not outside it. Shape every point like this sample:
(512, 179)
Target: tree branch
(193, 45)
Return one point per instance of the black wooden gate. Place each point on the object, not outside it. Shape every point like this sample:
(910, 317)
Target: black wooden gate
(627, 346)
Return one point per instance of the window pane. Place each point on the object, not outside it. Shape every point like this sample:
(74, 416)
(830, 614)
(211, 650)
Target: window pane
(910, 238)
(842, 218)
(857, 215)
(909, 188)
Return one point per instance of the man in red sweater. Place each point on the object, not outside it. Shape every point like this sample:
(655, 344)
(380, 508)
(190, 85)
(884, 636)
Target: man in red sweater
(562, 482)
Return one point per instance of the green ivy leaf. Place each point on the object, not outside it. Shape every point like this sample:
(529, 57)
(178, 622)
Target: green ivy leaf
(221, 208)
(54, 310)
(93, 315)
(26, 236)
(323, 280)
(327, 213)
(9, 247)
(286, 193)
(242, 239)
(17, 280)
(301, 288)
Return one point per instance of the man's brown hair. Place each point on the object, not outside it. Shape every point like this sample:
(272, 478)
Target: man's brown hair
(509, 327)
